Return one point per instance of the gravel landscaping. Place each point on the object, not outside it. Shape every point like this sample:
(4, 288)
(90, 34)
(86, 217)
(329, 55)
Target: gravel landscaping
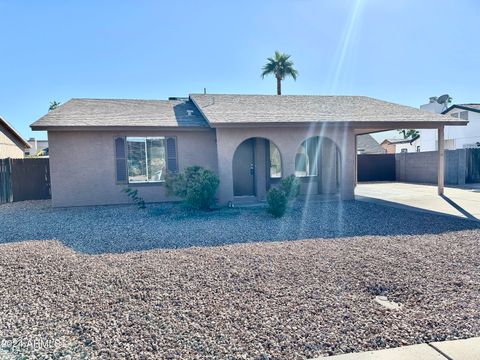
(124, 228)
(261, 300)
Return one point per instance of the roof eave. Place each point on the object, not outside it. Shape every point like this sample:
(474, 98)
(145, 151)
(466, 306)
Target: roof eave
(117, 128)
(461, 107)
(355, 124)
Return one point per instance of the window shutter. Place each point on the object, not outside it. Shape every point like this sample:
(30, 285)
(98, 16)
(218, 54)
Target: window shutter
(120, 160)
(172, 162)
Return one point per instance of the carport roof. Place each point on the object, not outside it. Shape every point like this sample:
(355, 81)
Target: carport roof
(224, 110)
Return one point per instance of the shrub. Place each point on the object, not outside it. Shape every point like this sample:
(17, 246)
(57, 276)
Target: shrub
(197, 186)
(133, 194)
(277, 198)
(277, 202)
(290, 186)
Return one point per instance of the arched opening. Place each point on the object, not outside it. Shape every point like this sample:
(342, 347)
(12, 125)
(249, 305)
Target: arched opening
(257, 164)
(317, 164)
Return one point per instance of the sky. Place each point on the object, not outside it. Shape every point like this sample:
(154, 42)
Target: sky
(402, 51)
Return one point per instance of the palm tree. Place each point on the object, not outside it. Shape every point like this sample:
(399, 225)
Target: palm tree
(280, 66)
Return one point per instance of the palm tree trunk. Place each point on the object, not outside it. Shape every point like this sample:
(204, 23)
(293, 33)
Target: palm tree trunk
(279, 86)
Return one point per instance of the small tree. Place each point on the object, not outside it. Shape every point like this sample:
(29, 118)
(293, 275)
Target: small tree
(278, 198)
(409, 134)
(277, 202)
(290, 186)
(197, 186)
(53, 105)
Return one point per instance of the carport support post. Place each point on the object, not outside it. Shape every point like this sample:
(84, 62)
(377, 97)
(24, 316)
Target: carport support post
(348, 154)
(441, 160)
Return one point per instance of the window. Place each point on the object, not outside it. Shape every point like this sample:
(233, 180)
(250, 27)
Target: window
(306, 158)
(418, 148)
(404, 150)
(146, 160)
(275, 162)
(463, 115)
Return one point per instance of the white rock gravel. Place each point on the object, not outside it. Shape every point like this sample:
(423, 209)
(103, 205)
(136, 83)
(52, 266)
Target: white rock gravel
(277, 300)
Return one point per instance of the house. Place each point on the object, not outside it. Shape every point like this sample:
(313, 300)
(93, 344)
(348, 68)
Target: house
(37, 147)
(12, 145)
(366, 144)
(455, 137)
(99, 146)
(395, 146)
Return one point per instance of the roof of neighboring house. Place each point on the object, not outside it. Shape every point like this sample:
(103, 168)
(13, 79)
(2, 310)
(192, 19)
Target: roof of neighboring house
(4, 124)
(400, 141)
(122, 113)
(369, 145)
(221, 109)
(468, 107)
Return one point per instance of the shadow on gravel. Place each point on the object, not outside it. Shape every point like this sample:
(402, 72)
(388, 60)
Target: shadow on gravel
(117, 229)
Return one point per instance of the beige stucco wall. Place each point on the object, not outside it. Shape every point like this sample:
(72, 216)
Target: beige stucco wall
(9, 148)
(82, 165)
(287, 139)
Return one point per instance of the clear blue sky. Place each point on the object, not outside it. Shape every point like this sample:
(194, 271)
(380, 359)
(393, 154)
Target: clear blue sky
(402, 51)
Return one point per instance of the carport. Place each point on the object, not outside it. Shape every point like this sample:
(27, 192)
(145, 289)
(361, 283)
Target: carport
(432, 124)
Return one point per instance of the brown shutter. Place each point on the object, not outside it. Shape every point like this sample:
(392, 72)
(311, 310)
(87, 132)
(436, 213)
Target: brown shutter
(172, 162)
(120, 160)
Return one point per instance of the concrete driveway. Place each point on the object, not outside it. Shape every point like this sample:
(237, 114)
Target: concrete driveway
(457, 201)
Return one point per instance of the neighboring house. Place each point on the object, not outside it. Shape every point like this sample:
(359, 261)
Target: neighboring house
(395, 146)
(97, 147)
(37, 147)
(366, 144)
(455, 138)
(12, 145)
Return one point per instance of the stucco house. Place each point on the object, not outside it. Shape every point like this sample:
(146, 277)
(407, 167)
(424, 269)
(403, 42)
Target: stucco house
(98, 146)
(12, 144)
(396, 146)
(366, 144)
(463, 137)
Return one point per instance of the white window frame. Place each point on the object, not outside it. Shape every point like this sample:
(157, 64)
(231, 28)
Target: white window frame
(145, 138)
(307, 143)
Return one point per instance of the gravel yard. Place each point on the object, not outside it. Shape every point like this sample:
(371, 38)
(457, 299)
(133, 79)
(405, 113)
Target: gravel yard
(124, 228)
(264, 300)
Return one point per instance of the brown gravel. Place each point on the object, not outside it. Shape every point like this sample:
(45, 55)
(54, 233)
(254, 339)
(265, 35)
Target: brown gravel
(279, 300)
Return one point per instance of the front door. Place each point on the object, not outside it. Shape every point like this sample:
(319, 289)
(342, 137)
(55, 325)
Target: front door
(244, 169)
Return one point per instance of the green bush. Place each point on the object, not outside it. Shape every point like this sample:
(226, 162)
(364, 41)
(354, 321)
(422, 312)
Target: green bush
(277, 202)
(290, 186)
(197, 186)
(278, 198)
(133, 194)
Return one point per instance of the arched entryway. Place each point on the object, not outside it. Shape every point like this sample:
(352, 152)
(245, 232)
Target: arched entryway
(317, 164)
(257, 164)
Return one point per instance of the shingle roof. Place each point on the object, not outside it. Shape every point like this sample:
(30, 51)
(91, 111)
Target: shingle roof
(236, 109)
(5, 125)
(368, 145)
(221, 109)
(122, 113)
(400, 141)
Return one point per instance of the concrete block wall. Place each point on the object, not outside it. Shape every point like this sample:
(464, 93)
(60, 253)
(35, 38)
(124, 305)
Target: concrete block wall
(422, 167)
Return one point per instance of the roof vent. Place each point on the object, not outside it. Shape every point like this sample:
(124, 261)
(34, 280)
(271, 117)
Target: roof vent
(189, 112)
